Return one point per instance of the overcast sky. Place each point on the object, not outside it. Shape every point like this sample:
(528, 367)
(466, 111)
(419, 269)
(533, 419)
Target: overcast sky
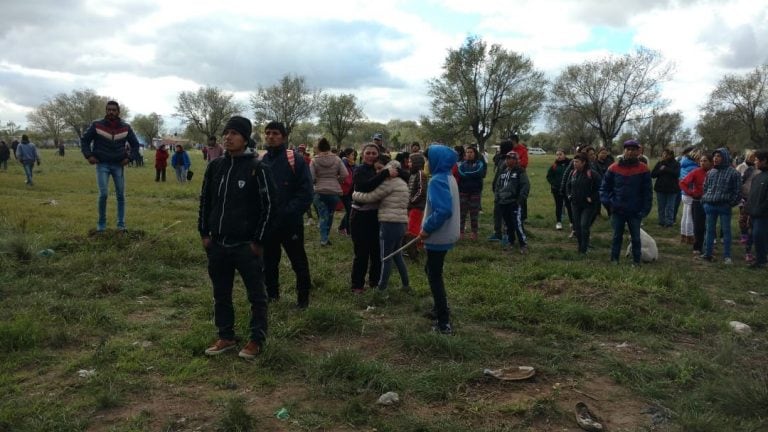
(143, 52)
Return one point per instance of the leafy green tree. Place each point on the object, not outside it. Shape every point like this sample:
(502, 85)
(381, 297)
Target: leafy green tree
(339, 115)
(744, 99)
(721, 128)
(148, 126)
(606, 93)
(658, 131)
(289, 101)
(483, 88)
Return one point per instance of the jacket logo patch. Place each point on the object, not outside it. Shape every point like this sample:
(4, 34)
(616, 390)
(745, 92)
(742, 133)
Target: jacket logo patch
(241, 184)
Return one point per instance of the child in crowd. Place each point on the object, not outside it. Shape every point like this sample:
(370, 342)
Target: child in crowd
(512, 189)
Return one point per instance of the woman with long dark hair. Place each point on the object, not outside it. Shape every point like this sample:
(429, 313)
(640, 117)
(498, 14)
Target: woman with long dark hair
(583, 190)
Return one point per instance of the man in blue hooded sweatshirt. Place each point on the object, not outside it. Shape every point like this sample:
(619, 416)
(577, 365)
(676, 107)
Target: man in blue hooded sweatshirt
(722, 192)
(440, 227)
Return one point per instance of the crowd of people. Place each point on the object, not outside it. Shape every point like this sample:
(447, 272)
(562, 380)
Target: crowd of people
(252, 208)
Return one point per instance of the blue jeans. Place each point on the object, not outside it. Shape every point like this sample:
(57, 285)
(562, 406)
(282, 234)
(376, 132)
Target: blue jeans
(181, 173)
(103, 171)
(713, 211)
(28, 171)
(760, 239)
(666, 203)
(326, 207)
(390, 238)
(633, 223)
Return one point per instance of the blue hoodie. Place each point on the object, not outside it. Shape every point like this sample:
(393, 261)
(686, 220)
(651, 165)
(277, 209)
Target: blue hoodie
(723, 183)
(441, 214)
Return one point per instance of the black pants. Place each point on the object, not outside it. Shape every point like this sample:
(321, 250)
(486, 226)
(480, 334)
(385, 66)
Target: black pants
(159, 173)
(562, 201)
(290, 238)
(699, 224)
(347, 201)
(497, 220)
(583, 217)
(222, 263)
(512, 215)
(434, 270)
(364, 227)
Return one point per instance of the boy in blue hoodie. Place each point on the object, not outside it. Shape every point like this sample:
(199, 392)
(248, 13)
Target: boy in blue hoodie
(440, 227)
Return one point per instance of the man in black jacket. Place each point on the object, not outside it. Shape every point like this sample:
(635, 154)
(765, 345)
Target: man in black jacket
(757, 206)
(237, 207)
(294, 196)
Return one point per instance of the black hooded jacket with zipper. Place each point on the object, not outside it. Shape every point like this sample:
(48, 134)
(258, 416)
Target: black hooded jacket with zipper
(237, 200)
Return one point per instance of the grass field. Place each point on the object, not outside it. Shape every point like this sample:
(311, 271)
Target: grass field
(108, 333)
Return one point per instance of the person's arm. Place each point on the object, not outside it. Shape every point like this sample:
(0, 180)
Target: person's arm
(363, 184)
(606, 188)
(647, 190)
(134, 143)
(203, 226)
(266, 193)
(301, 198)
(187, 161)
(419, 191)
(374, 196)
(525, 187)
(439, 197)
(85, 144)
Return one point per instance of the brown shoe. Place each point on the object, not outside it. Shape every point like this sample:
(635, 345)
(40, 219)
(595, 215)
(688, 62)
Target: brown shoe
(220, 346)
(251, 350)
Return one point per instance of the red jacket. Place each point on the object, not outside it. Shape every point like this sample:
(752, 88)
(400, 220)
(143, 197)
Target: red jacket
(161, 159)
(693, 184)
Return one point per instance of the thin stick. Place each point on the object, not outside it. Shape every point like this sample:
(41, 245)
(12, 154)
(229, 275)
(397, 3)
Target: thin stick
(585, 394)
(417, 238)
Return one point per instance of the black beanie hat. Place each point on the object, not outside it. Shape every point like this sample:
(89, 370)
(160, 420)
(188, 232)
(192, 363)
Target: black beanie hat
(276, 125)
(240, 125)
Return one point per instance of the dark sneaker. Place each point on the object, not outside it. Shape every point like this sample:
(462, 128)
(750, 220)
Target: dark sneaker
(445, 330)
(250, 350)
(494, 237)
(358, 290)
(220, 346)
(703, 257)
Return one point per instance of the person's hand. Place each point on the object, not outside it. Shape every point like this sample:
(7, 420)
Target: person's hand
(206, 242)
(423, 235)
(38, 163)
(256, 249)
(92, 160)
(125, 162)
(589, 200)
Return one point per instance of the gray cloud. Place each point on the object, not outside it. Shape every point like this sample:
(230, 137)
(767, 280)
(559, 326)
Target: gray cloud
(328, 54)
(618, 13)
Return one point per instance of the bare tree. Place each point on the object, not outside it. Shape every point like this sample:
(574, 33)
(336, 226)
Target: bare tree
(482, 88)
(207, 110)
(81, 107)
(658, 131)
(571, 129)
(289, 101)
(48, 121)
(606, 93)
(148, 126)
(745, 100)
(339, 115)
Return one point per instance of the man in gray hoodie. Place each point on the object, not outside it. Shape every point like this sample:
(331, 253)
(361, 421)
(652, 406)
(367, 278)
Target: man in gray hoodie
(27, 155)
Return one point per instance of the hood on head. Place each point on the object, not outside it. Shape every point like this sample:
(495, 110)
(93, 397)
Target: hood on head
(725, 154)
(441, 158)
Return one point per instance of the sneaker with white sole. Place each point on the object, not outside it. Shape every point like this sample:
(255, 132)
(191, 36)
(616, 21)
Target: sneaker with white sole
(250, 350)
(559, 226)
(220, 346)
(727, 261)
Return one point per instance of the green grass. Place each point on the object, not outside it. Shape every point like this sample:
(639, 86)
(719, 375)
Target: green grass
(137, 309)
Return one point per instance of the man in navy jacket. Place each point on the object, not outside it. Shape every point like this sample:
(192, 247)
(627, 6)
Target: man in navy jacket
(294, 196)
(627, 191)
(104, 145)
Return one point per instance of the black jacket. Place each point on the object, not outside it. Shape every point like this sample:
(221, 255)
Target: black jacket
(667, 175)
(757, 202)
(583, 185)
(293, 183)
(237, 200)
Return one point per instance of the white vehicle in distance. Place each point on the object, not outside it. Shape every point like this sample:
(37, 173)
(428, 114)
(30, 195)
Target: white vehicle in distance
(536, 151)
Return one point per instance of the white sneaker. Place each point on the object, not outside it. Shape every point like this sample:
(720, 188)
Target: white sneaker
(727, 261)
(309, 222)
(558, 226)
